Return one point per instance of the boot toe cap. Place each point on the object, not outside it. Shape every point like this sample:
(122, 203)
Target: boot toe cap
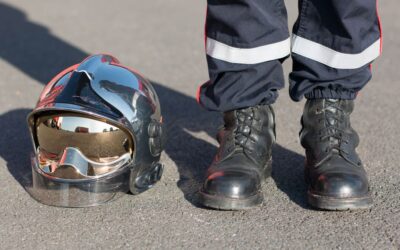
(340, 185)
(232, 184)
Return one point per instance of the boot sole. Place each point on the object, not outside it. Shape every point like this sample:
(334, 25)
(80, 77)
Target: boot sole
(339, 204)
(227, 203)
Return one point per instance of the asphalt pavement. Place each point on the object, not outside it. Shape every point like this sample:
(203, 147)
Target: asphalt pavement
(164, 40)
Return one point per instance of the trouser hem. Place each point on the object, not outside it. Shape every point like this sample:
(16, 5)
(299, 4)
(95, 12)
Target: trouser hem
(326, 93)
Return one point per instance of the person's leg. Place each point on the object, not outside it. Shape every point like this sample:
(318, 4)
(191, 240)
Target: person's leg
(334, 43)
(246, 42)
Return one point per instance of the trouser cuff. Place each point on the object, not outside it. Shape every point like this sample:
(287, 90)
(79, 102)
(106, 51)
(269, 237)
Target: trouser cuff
(326, 93)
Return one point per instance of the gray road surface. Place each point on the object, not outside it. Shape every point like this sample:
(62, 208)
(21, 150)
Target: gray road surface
(164, 40)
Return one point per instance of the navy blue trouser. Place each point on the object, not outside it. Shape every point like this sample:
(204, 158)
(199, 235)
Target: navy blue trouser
(332, 47)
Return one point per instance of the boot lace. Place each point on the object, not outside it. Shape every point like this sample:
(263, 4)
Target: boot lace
(332, 131)
(242, 132)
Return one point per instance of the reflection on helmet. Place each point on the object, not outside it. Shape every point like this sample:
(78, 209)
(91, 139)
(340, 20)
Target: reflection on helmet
(97, 133)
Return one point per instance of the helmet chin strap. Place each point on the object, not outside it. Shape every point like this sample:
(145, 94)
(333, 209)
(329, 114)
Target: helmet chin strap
(73, 164)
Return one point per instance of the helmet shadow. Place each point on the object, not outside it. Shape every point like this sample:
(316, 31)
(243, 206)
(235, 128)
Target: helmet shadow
(16, 145)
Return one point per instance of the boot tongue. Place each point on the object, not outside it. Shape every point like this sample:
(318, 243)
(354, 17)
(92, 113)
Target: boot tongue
(331, 105)
(331, 115)
(332, 100)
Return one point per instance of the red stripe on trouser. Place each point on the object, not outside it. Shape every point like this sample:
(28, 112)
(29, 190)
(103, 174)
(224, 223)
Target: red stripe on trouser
(198, 95)
(380, 30)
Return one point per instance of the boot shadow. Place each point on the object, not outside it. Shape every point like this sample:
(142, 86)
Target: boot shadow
(185, 122)
(288, 174)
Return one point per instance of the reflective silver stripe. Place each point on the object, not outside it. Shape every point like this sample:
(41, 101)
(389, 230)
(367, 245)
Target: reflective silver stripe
(256, 55)
(332, 58)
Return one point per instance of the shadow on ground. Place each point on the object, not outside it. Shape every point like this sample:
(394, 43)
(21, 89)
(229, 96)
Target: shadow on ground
(287, 172)
(32, 47)
(41, 55)
(15, 145)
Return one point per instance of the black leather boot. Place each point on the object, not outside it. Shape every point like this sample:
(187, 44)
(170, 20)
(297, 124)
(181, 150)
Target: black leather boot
(334, 172)
(243, 160)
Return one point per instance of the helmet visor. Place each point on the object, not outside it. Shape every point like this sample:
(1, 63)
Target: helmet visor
(97, 140)
(79, 161)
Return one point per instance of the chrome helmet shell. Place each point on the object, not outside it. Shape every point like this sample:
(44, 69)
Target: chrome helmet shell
(84, 111)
